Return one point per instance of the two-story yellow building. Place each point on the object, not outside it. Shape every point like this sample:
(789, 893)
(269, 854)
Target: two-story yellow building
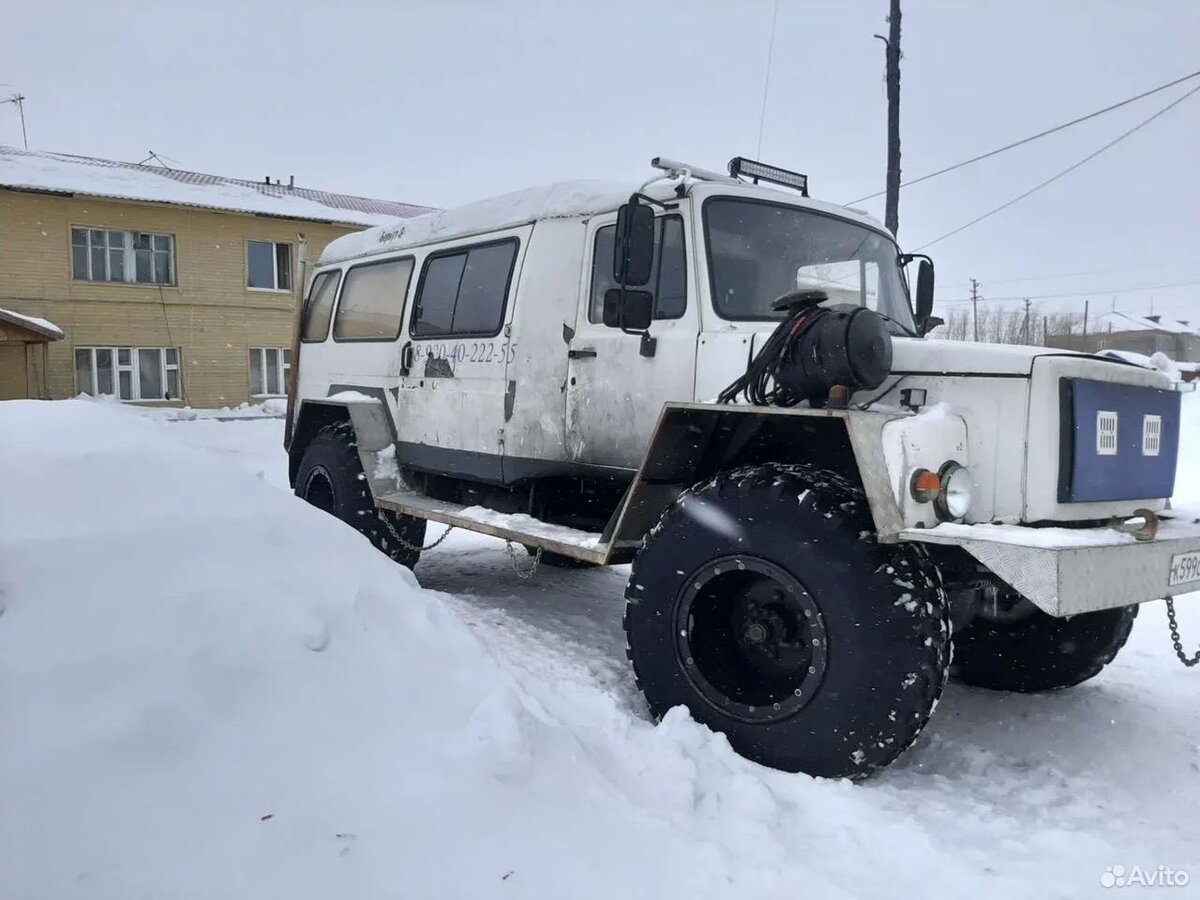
(156, 285)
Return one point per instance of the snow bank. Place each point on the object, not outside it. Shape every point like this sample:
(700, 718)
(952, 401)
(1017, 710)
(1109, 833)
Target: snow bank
(209, 689)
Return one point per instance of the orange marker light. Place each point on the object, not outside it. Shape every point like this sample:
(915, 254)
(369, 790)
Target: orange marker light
(925, 485)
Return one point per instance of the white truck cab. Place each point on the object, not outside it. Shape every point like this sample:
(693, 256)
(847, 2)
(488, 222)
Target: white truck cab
(814, 495)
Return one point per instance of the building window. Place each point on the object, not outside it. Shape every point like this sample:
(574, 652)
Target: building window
(269, 368)
(128, 373)
(126, 257)
(462, 292)
(268, 266)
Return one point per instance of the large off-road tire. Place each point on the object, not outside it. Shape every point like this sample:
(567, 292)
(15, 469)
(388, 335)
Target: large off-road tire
(331, 478)
(762, 602)
(1038, 652)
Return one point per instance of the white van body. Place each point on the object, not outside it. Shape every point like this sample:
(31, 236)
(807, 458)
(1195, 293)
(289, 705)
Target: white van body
(553, 391)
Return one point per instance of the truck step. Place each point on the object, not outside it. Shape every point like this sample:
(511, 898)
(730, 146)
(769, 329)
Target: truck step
(516, 527)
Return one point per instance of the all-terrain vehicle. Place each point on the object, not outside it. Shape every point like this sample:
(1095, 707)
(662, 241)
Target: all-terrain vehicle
(724, 382)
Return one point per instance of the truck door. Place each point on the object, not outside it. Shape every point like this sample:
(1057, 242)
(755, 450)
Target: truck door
(450, 405)
(614, 391)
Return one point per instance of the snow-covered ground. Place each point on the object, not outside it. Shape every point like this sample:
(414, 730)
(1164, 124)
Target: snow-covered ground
(210, 689)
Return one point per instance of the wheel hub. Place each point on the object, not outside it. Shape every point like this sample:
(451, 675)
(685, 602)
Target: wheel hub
(750, 638)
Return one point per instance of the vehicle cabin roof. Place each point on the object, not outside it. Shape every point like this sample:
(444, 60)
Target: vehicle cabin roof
(63, 173)
(561, 200)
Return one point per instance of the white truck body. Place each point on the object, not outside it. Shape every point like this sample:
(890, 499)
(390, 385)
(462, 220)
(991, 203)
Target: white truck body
(553, 391)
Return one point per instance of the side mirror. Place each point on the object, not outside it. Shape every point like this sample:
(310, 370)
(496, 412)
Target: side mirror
(628, 310)
(633, 251)
(924, 291)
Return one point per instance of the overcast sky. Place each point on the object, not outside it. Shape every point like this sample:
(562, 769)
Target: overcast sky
(445, 102)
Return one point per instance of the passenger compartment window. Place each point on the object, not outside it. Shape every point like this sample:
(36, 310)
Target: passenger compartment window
(462, 292)
(668, 273)
(372, 303)
(319, 308)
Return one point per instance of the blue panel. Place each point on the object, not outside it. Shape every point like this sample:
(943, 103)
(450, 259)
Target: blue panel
(1087, 476)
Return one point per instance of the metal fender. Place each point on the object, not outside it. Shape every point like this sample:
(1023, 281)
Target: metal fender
(927, 440)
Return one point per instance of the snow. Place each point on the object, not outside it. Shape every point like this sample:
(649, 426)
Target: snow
(352, 397)
(560, 200)
(60, 172)
(208, 688)
(1182, 523)
(35, 322)
(1121, 321)
(530, 525)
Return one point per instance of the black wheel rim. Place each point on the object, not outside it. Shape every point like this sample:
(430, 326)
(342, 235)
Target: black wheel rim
(750, 638)
(318, 490)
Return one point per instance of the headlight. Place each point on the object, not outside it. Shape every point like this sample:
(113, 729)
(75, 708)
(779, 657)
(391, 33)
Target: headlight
(954, 499)
(949, 490)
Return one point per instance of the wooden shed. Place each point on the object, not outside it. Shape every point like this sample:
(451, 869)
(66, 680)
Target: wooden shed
(23, 343)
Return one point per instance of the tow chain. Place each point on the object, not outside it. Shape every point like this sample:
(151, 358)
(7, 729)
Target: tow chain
(523, 574)
(1175, 639)
(408, 545)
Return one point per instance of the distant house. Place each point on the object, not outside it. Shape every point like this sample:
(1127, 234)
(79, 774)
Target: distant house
(1179, 340)
(156, 285)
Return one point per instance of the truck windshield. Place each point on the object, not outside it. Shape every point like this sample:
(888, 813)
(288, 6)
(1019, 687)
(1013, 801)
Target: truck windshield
(758, 251)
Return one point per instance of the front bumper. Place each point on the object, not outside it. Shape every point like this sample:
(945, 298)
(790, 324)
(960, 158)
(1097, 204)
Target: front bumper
(1067, 571)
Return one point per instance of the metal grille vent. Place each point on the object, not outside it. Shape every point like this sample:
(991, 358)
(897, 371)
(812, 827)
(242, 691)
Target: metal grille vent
(1106, 433)
(1151, 435)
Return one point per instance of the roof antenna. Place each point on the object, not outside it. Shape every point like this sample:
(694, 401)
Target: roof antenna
(154, 156)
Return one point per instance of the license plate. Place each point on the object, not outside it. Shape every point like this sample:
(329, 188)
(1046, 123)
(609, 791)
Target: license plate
(1185, 567)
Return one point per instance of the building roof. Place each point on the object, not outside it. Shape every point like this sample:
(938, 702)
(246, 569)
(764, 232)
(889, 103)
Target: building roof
(44, 327)
(1120, 321)
(62, 173)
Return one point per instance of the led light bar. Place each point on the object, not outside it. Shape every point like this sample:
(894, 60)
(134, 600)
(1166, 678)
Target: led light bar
(739, 166)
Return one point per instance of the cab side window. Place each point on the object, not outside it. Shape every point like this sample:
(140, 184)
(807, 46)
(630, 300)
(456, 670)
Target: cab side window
(319, 308)
(463, 291)
(668, 272)
(373, 301)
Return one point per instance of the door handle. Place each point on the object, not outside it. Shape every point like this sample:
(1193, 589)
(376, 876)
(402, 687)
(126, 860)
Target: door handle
(581, 353)
(406, 357)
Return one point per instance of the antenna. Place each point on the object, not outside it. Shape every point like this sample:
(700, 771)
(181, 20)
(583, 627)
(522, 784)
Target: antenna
(154, 156)
(19, 101)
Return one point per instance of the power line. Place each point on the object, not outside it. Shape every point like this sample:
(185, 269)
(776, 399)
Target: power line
(762, 118)
(1098, 293)
(1034, 137)
(1066, 171)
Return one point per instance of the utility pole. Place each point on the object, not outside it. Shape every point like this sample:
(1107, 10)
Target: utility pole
(975, 307)
(19, 101)
(1086, 304)
(891, 216)
(1025, 324)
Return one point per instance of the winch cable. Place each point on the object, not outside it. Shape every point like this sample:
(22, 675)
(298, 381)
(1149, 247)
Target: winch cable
(760, 382)
(1176, 641)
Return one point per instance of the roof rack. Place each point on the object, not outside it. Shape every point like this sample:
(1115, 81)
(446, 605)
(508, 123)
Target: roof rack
(683, 170)
(739, 168)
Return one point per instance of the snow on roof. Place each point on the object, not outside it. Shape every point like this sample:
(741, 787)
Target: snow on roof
(565, 199)
(65, 173)
(1120, 321)
(33, 323)
(561, 200)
